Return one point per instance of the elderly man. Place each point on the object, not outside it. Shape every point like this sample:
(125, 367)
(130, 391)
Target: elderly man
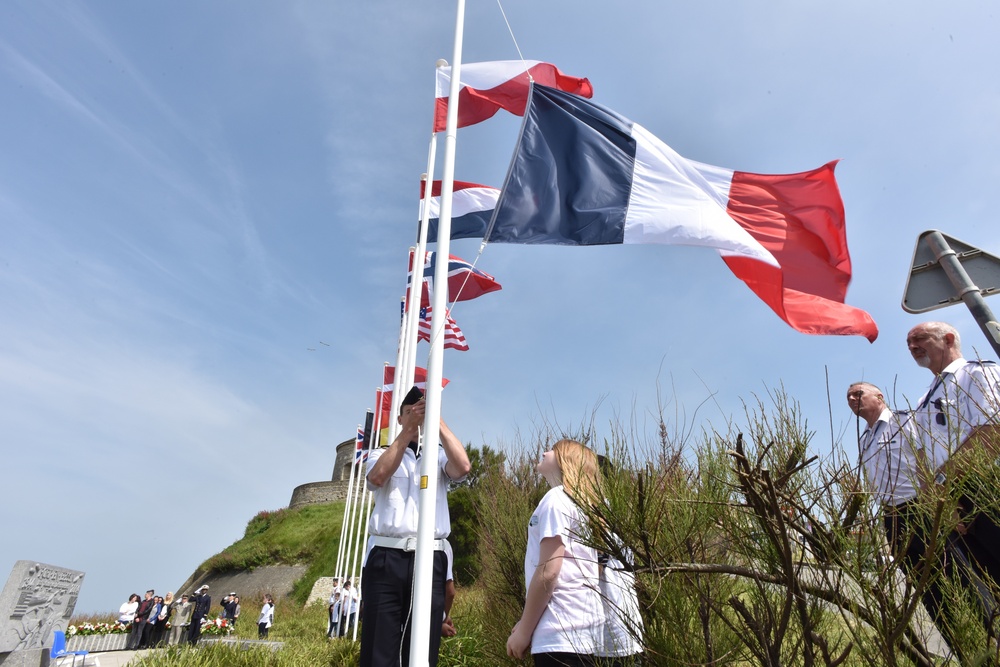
(890, 453)
(387, 578)
(958, 415)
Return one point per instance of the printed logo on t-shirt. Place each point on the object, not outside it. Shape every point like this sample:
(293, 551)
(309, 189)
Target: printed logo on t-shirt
(534, 520)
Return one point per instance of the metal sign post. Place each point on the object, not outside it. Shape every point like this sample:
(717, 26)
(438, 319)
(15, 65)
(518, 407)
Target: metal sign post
(946, 271)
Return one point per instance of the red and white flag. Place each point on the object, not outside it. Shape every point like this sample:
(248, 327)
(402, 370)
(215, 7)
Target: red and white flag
(501, 84)
(384, 396)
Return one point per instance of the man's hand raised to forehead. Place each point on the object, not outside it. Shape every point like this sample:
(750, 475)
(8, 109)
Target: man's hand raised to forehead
(413, 417)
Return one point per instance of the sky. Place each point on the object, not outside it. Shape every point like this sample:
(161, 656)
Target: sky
(205, 210)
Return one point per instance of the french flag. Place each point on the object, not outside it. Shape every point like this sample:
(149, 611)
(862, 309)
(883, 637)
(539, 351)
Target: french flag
(583, 174)
(471, 208)
(502, 84)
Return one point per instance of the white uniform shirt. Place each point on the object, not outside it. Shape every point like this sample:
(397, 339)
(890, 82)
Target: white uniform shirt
(889, 454)
(966, 395)
(395, 513)
(573, 621)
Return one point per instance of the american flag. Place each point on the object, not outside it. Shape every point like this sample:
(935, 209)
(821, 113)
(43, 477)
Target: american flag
(453, 336)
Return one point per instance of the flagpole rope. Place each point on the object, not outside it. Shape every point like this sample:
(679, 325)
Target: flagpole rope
(450, 309)
(514, 39)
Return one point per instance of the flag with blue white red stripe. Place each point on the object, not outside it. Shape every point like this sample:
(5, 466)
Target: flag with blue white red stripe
(583, 174)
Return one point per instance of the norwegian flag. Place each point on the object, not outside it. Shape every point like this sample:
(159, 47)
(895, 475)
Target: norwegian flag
(453, 336)
(465, 282)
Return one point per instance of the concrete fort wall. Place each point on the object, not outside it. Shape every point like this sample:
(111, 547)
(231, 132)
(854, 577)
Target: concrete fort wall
(317, 493)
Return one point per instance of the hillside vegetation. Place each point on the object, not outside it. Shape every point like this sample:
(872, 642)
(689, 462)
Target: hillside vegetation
(306, 535)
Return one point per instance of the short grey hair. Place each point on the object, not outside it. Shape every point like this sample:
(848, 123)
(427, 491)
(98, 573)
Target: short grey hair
(939, 329)
(867, 385)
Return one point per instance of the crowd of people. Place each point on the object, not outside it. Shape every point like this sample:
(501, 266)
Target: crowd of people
(149, 618)
(929, 451)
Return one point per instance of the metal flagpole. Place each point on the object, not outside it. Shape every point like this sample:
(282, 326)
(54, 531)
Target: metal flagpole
(423, 570)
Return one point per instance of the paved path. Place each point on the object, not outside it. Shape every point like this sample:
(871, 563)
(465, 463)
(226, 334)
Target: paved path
(103, 659)
(124, 658)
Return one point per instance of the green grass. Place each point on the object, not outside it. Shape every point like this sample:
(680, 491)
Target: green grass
(308, 534)
(303, 632)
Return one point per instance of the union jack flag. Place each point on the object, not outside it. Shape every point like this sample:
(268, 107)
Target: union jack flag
(359, 453)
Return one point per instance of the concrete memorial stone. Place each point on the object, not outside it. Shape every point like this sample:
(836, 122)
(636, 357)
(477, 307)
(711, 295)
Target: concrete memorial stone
(37, 600)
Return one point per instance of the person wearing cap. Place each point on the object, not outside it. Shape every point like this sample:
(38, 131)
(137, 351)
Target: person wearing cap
(387, 579)
(202, 602)
(182, 619)
(229, 608)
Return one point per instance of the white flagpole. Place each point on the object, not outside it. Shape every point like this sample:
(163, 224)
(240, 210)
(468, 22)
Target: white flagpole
(341, 548)
(423, 570)
(357, 480)
(402, 354)
(405, 372)
(366, 495)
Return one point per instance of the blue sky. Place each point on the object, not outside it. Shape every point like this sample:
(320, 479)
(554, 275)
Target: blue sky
(194, 195)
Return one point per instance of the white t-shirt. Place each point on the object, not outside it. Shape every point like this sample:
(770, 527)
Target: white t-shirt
(573, 621)
(621, 609)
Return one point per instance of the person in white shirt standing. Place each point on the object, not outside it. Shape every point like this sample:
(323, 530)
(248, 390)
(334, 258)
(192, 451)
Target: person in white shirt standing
(891, 454)
(563, 618)
(960, 413)
(387, 578)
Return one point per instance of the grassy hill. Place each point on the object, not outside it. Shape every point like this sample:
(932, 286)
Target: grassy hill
(307, 535)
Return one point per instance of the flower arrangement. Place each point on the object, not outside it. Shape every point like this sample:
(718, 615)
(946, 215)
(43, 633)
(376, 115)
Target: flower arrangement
(219, 626)
(86, 629)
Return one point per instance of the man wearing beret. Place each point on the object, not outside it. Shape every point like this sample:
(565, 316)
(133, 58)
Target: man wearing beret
(387, 581)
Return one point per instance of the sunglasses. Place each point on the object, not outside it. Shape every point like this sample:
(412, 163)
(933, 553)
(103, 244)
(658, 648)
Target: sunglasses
(940, 417)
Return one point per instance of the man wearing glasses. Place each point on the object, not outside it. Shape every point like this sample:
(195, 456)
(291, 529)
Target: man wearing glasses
(958, 415)
(889, 454)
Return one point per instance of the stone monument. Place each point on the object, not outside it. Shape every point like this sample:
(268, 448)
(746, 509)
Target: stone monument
(37, 600)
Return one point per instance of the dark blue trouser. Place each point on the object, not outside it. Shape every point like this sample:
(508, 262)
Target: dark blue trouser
(386, 593)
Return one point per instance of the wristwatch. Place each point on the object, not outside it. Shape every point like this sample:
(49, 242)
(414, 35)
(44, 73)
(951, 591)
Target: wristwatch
(940, 478)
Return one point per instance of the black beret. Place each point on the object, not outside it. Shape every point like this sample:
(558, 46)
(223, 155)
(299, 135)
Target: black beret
(411, 397)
